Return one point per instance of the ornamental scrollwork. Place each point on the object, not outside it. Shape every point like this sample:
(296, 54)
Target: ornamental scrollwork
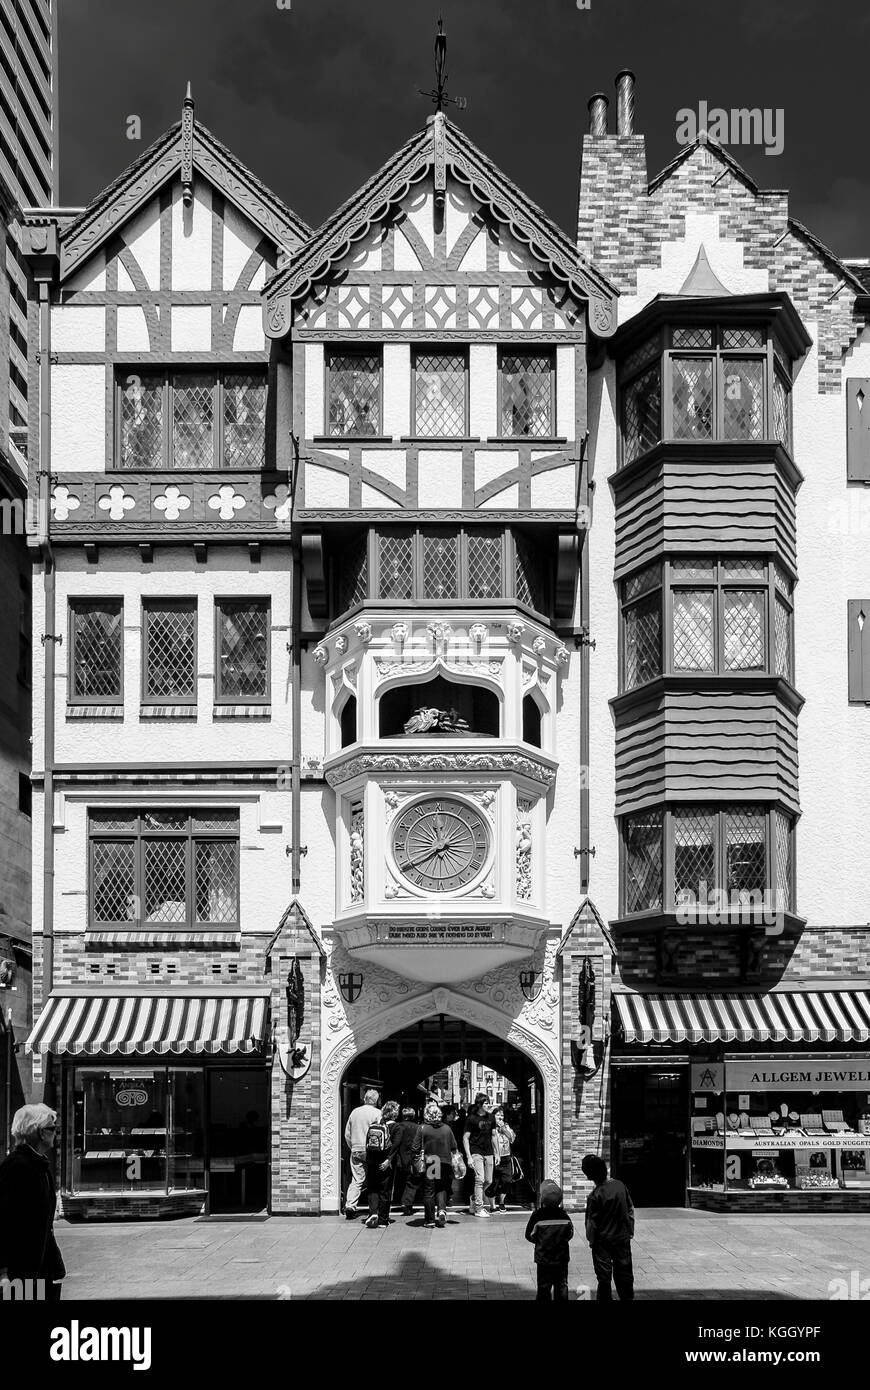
(524, 849)
(441, 762)
(357, 853)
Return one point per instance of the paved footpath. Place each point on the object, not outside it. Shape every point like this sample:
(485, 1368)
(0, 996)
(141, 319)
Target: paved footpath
(677, 1255)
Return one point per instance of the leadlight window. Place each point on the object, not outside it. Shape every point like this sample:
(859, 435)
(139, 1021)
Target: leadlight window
(97, 650)
(192, 420)
(729, 615)
(164, 868)
(440, 393)
(704, 383)
(354, 392)
(440, 565)
(708, 859)
(169, 651)
(527, 394)
(242, 628)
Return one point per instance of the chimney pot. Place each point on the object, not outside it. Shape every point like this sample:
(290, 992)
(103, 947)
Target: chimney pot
(598, 104)
(625, 102)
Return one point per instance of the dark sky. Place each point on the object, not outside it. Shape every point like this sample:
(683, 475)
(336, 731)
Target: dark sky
(313, 99)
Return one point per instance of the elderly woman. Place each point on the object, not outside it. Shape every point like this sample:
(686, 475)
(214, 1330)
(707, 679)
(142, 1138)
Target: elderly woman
(28, 1249)
(439, 1146)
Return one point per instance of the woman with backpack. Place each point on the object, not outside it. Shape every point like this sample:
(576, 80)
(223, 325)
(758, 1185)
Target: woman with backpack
(380, 1151)
(503, 1163)
(439, 1146)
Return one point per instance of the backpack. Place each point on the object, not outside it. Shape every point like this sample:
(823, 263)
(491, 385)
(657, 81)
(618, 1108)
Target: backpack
(377, 1137)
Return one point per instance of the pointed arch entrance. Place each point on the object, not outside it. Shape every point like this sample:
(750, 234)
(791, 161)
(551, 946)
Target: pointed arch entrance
(493, 1034)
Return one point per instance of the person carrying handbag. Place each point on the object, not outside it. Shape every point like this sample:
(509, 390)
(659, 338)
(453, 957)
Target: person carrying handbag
(439, 1146)
(503, 1178)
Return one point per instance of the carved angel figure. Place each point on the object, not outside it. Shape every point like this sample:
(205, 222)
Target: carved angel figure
(426, 720)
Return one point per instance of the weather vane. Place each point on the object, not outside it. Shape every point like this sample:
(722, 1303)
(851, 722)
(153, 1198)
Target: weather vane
(438, 95)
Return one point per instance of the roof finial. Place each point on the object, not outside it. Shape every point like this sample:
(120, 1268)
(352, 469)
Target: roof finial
(438, 95)
(187, 126)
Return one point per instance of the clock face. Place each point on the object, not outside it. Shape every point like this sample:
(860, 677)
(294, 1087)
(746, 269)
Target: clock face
(441, 844)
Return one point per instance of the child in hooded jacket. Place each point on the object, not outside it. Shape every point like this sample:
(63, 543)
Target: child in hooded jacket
(550, 1230)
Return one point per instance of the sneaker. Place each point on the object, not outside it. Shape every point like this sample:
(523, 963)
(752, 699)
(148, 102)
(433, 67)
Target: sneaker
(441, 1218)
(479, 1213)
(372, 1222)
(350, 1213)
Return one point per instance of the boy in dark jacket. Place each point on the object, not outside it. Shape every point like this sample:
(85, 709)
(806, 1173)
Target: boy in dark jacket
(609, 1230)
(550, 1230)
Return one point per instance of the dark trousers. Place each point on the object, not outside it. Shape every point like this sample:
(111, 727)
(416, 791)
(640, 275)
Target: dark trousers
(435, 1190)
(552, 1283)
(611, 1259)
(502, 1182)
(380, 1185)
(406, 1185)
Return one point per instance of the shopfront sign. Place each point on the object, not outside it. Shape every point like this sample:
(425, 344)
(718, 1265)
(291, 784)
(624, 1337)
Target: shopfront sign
(826, 1074)
(708, 1076)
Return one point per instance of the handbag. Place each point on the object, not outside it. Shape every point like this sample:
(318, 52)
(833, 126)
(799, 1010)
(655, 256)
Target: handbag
(459, 1165)
(517, 1173)
(418, 1162)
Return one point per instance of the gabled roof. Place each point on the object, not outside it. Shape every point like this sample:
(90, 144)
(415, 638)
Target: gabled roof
(794, 226)
(160, 163)
(389, 186)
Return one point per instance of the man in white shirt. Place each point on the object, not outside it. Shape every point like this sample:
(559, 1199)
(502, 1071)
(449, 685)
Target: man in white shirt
(355, 1132)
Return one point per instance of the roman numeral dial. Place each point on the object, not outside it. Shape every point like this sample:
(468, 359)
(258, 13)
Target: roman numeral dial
(440, 845)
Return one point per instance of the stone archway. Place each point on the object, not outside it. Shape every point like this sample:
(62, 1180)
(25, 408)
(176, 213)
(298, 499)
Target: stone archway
(392, 1020)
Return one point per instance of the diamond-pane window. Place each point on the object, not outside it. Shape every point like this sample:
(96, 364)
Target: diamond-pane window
(743, 398)
(783, 833)
(693, 630)
(744, 850)
(439, 393)
(643, 862)
(527, 394)
(97, 649)
(351, 564)
(782, 581)
(781, 419)
(693, 397)
(142, 397)
(193, 420)
(743, 629)
(395, 566)
(642, 582)
(531, 585)
(113, 886)
(215, 881)
(693, 569)
(782, 639)
(643, 641)
(744, 569)
(742, 338)
(170, 651)
(243, 649)
(641, 355)
(354, 393)
(693, 337)
(165, 880)
(440, 566)
(642, 414)
(694, 855)
(244, 421)
(485, 567)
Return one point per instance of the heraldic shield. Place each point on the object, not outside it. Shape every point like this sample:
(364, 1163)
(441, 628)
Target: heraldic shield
(531, 984)
(350, 983)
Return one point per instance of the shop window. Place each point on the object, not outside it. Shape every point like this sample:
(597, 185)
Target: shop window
(97, 650)
(439, 708)
(781, 1125)
(169, 651)
(531, 721)
(440, 393)
(164, 868)
(348, 722)
(526, 385)
(137, 1130)
(191, 420)
(709, 863)
(242, 628)
(353, 392)
(723, 615)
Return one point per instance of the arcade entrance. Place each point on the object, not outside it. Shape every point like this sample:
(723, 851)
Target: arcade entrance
(401, 1066)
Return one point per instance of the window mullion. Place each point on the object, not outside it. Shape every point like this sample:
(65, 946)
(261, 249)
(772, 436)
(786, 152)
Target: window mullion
(190, 905)
(668, 904)
(218, 422)
(168, 429)
(666, 597)
(721, 855)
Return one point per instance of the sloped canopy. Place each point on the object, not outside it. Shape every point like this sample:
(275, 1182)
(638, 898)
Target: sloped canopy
(702, 279)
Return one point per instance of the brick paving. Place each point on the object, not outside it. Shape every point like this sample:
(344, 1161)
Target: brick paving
(677, 1255)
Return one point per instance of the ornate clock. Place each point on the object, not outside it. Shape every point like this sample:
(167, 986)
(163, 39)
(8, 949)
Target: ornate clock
(440, 844)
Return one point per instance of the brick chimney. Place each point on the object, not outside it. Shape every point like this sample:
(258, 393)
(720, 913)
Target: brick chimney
(613, 187)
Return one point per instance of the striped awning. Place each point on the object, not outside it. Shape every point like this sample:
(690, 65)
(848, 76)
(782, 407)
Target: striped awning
(132, 1024)
(798, 1016)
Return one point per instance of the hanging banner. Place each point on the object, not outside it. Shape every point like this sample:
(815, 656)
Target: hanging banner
(825, 1074)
